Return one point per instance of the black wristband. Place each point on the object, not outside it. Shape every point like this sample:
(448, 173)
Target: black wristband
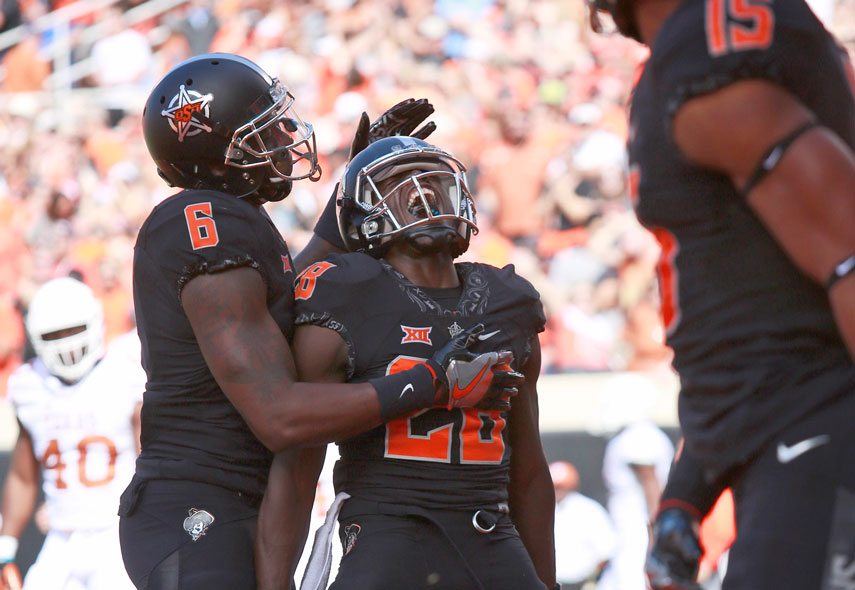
(405, 392)
(846, 267)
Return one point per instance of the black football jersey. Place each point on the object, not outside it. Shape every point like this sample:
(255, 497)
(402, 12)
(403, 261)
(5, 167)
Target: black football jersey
(434, 458)
(755, 342)
(190, 430)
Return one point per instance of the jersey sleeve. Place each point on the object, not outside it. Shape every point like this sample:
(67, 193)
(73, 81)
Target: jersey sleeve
(730, 42)
(319, 291)
(23, 384)
(641, 444)
(203, 232)
(520, 301)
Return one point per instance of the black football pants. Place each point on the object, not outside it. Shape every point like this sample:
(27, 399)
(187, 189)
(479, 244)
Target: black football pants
(795, 508)
(160, 553)
(437, 549)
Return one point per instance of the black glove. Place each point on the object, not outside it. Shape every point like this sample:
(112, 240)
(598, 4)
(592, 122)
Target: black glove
(481, 380)
(400, 119)
(673, 562)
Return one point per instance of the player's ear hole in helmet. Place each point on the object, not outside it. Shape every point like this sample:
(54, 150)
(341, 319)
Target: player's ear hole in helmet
(218, 121)
(403, 188)
(65, 323)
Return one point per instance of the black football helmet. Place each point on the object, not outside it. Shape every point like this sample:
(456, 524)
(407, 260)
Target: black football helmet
(402, 187)
(218, 121)
(621, 13)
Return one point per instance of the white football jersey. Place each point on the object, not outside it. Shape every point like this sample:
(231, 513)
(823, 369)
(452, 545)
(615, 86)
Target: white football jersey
(82, 436)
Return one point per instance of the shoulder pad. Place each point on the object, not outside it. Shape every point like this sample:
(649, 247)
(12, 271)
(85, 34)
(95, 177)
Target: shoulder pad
(198, 231)
(26, 382)
(334, 283)
(513, 297)
(690, 58)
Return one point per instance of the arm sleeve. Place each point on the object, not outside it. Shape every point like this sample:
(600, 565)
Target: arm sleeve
(327, 225)
(689, 488)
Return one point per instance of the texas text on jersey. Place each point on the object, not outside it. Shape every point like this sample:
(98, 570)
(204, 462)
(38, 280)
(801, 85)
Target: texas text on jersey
(436, 458)
(741, 325)
(192, 233)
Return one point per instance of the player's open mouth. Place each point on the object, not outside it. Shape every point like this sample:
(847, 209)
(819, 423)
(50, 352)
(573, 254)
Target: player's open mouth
(415, 204)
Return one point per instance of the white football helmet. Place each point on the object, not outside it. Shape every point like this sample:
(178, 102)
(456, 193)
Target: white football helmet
(65, 323)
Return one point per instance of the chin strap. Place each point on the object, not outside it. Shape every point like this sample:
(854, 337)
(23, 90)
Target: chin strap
(433, 239)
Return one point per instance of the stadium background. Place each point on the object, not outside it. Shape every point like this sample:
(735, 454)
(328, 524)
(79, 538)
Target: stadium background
(525, 95)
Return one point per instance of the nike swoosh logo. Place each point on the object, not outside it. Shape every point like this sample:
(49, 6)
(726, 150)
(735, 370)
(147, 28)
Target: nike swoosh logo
(486, 336)
(408, 387)
(788, 453)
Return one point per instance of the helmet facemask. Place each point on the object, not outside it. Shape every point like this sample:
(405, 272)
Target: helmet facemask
(275, 138)
(417, 196)
(65, 324)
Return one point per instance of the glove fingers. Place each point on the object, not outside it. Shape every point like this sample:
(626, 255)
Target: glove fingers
(507, 378)
(494, 405)
(424, 131)
(401, 119)
(416, 115)
(360, 138)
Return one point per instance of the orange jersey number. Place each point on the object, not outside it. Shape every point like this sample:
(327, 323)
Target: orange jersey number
(738, 25)
(479, 432)
(52, 459)
(200, 224)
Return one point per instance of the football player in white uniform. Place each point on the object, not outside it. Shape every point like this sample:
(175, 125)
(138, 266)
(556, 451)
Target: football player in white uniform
(78, 411)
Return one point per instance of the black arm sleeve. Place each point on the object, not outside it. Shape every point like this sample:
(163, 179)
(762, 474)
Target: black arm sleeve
(327, 225)
(689, 488)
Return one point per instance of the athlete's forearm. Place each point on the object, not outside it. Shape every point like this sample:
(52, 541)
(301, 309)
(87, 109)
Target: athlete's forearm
(533, 513)
(19, 501)
(21, 487)
(283, 521)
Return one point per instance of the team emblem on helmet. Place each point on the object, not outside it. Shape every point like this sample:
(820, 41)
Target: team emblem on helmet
(181, 109)
(350, 533)
(197, 523)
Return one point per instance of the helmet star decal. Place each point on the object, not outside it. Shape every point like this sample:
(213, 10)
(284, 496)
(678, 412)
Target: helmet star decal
(181, 109)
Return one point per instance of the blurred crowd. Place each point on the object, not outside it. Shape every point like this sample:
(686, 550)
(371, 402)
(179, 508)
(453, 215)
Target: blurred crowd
(525, 95)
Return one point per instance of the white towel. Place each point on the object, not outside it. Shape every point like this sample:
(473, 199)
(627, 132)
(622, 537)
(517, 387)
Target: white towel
(317, 572)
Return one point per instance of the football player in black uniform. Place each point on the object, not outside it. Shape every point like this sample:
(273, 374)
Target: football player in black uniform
(443, 497)
(213, 294)
(742, 131)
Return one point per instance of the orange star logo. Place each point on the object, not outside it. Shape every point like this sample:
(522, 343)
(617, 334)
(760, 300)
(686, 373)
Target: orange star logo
(181, 109)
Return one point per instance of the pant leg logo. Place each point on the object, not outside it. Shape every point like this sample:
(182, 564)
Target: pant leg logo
(350, 533)
(197, 523)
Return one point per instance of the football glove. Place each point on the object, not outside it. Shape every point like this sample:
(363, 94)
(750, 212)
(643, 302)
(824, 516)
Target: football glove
(400, 119)
(673, 561)
(482, 380)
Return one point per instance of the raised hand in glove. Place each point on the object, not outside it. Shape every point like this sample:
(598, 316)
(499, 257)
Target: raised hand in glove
(481, 380)
(673, 561)
(400, 119)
